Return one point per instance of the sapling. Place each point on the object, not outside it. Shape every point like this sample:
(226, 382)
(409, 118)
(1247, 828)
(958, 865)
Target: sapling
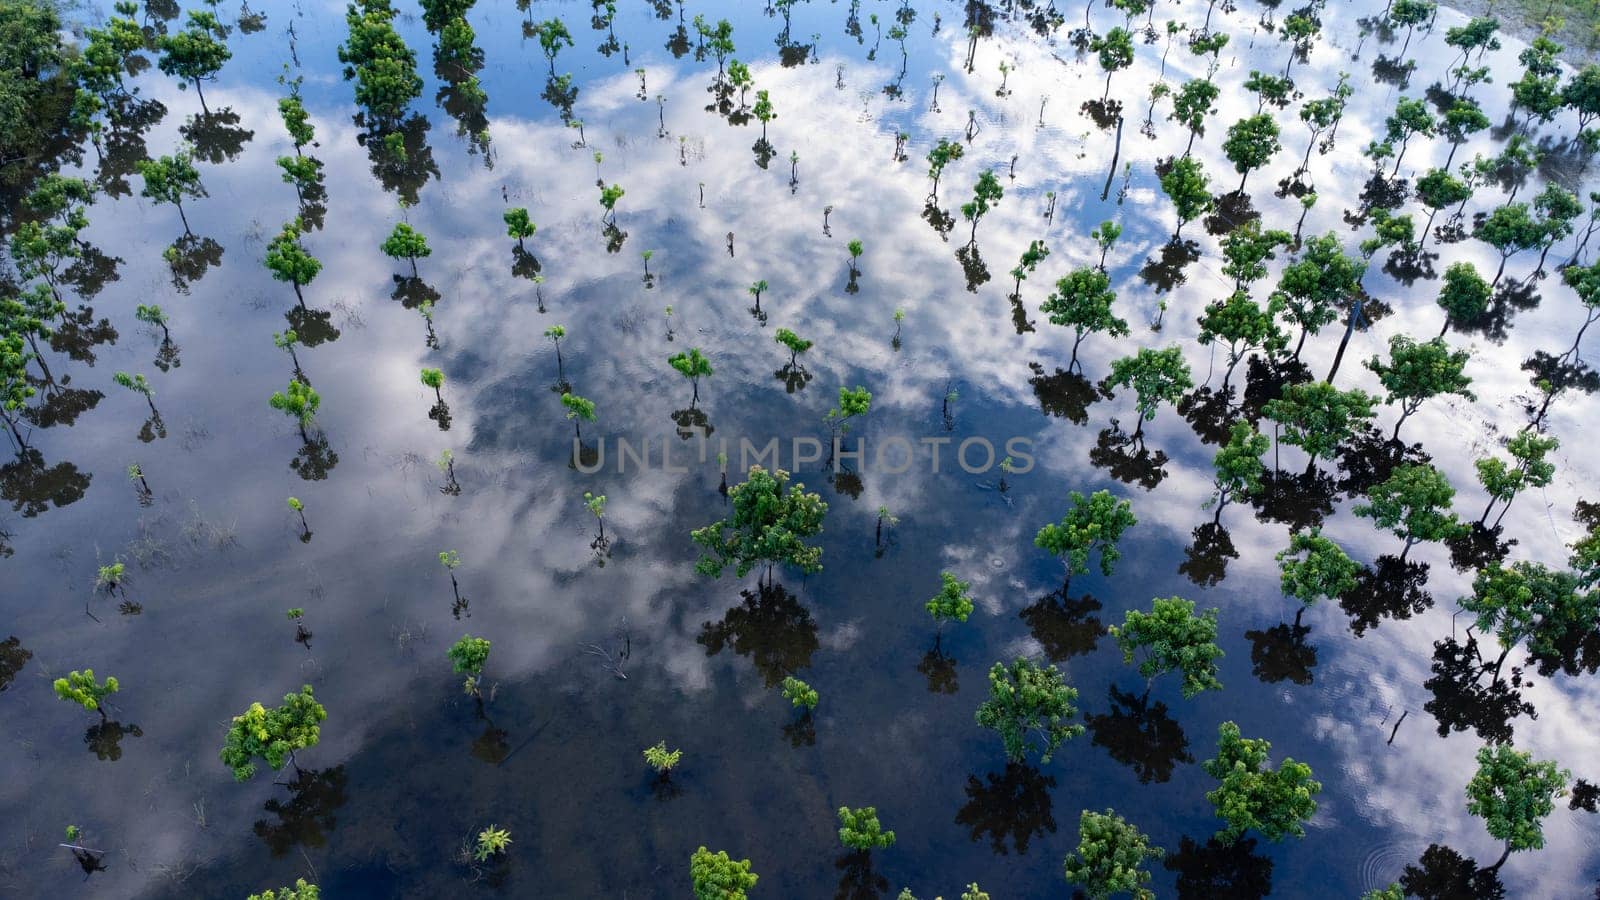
(579, 410)
(800, 694)
(899, 318)
(447, 466)
(273, 734)
(1105, 237)
(154, 315)
(467, 657)
(1006, 468)
(555, 333)
(136, 473)
(756, 289)
(608, 199)
(692, 365)
(661, 759)
(764, 112)
(952, 603)
(645, 255)
(298, 507)
(286, 341)
(289, 261)
(852, 403)
(83, 689)
(434, 378)
(299, 400)
(171, 179)
(518, 225)
(885, 518)
(492, 842)
(302, 635)
(110, 577)
(596, 504)
(794, 343)
(138, 385)
(856, 249)
(406, 242)
(451, 560)
(859, 829)
(985, 194)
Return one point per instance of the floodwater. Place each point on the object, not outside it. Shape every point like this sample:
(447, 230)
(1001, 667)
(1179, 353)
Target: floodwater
(408, 769)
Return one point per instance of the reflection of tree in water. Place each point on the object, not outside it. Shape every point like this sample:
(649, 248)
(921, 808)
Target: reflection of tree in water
(78, 334)
(1125, 457)
(1461, 699)
(314, 798)
(771, 627)
(1390, 589)
(1443, 874)
(1478, 547)
(858, 879)
(402, 169)
(1013, 805)
(1299, 500)
(1165, 271)
(190, 257)
(315, 459)
(1065, 395)
(941, 221)
(692, 421)
(312, 326)
(1585, 796)
(493, 746)
(1215, 869)
(1369, 458)
(1232, 210)
(940, 670)
(216, 136)
(61, 405)
(1265, 381)
(1141, 735)
(1205, 560)
(440, 413)
(615, 237)
(412, 292)
(13, 656)
(104, 739)
(801, 731)
(1210, 413)
(1064, 627)
(91, 271)
(972, 266)
(31, 487)
(794, 377)
(1574, 651)
(123, 142)
(1281, 653)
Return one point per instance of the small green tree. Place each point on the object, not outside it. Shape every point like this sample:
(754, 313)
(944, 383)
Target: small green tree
(299, 400)
(1238, 466)
(1318, 417)
(579, 410)
(693, 365)
(289, 261)
(1156, 377)
(1252, 796)
(943, 153)
(1031, 707)
(799, 694)
(764, 111)
(1509, 229)
(1105, 237)
(1111, 857)
(140, 386)
(492, 841)
(1115, 51)
(82, 688)
(1186, 183)
(1414, 503)
(1191, 105)
(794, 343)
(301, 891)
(195, 54)
(1246, 250)
(1092, 523)
(172, 179)
(1439, 190)
(274, 734)
(434, 378)
(661, 759)
(1417, 371)
(1172, 638)
(768, 526)
(856, 249)
(715, 876)
(1530, 602)
(952, 603)
(299, 509)
(1313, 288)
(1241, 324)
(154, 315)
(608, 199)
(468, 657)
(1251, 144)
(1528, 468)
(518, 225)
(1512, 792)
(552, 33)
(859, 829)
(853, 402)
(1464, 295)
(985, 194)
(1313, 567)
(406, 243)
(1083, 299)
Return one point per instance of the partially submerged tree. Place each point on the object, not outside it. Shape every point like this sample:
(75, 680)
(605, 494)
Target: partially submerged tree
(1031, 707)
(768, 526)
(1463, 295)
(799, 694)
(1237, 466)
(661, 759)
(1414, 503)
(1418, 371)
(1243, 325)
(1318, 417)
(468, 657)
(985, 194)
(1251, 144)
(1185, 182)
(273, 735)
(83, 689)
(1512, 792)
(1251, 795)
(693, 365)
(714, 876)
(1111, 857)
(1313, 567)
(195, 54)
(406, 243)
(1156, 377)
(1082, 300)
(518, 225)
(300, 401)
(289, 261)
(859, 829)
(1171, 638)
(172, 179)
(952, 603)
(1528, 468)
(1092, 523)
(1115, 51)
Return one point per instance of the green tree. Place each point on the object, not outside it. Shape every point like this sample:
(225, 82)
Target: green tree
(1464, 295)
(952, 603)
(853, 402)
(1246, 249)
(1539, 89)
(518, 225)
(800, 694)
(859, 829)
(661, 759)
(171, 179)
(608, 199)
(1409, 119)
(1530, 602)
(1512, 792)
(764, 111)
(1110, 858)
(1509, 229)
(1528, 468)
(299, 400)
(301, 891)
(942, 154)
(1031, 707)
(1414, 503)
(1313, 567)
(1318, 417)
(768, 526)
(82, 688)
(1238, 466)
(195, 54)
(717, 877)
(1083, 299)
(436, 14)
(693, 365)
(1252, 796)
(1418, 371)
(1460, 122)
(792, 342)
(1192, 103)
(468, 657)
(1092, 523)
(288, 259)
(1156, 377)
(1186, 183)
(579, 410)
(552, 33)
(376, 56)
(1557, 207)
(1243, 326)
(1251, 144)
(985, 194)
(406, 242)
(273, 735)
(1408, 14)
(1437, 190)
(1171, 638)
(1115, 50)
(1275, 89)
(1312, 289)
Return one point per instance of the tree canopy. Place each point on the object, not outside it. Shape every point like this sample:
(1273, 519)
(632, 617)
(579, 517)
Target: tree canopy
(1171, 638)
(769, 525)
(1251, 795)
(273, 735)
(1031, 707)
(1092, 523)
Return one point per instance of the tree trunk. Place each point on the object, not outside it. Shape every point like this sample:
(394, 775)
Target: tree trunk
(1349, 328)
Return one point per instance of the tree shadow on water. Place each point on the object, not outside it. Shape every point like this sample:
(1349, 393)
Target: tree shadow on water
(1013, 806)
(771, 627)
(1141, 735)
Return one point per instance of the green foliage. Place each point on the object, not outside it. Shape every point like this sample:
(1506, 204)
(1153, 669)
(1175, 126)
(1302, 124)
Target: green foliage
(171, 179)
(1247, 248)
(798, 693)
(196, 53)
(433, 378)
(492, 841)
(1464, 294)
(1414, 502)
(135, 383)
(438, 13)
(952, 603)
(552, 33)
(1156, 376)
(1111, 857)
(375, 55)
(1115, 50)
(661, 759)
(1419, 370)
(1242, 324)
(1251, 143)
(985, 194)
(299, 400)
(943, 154)
(1186, 183)
(1172, 638)
(1275, 89)
(1509, 229)
(1192, 103)
(859, 829)
(795, 344)
(287, 258)
(274, 734)
(518, 225)
(82, 688)
(300, 171)
(469, 655)
(296, 505)
(110, 576)
(1238, 463)
(1031, 707)
(405, 242)
(1317, 417)
(579, 408)
(1313, 288)
(300, 891)
(596, 504)
(609, 197)
(763, 109)
(450, 559)
(1528, 468)
(1092, 523)
(1324, 571)
(1391, 892)
(715, 876)
(852, 402)
(296, 120)
(1252, 796)
(856, 249)
(1528, 601)
(1512, 792)
(1083, 300)
(691, 364)
(768, 526)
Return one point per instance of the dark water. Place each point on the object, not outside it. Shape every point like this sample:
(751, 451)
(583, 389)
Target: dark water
(407, 769)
